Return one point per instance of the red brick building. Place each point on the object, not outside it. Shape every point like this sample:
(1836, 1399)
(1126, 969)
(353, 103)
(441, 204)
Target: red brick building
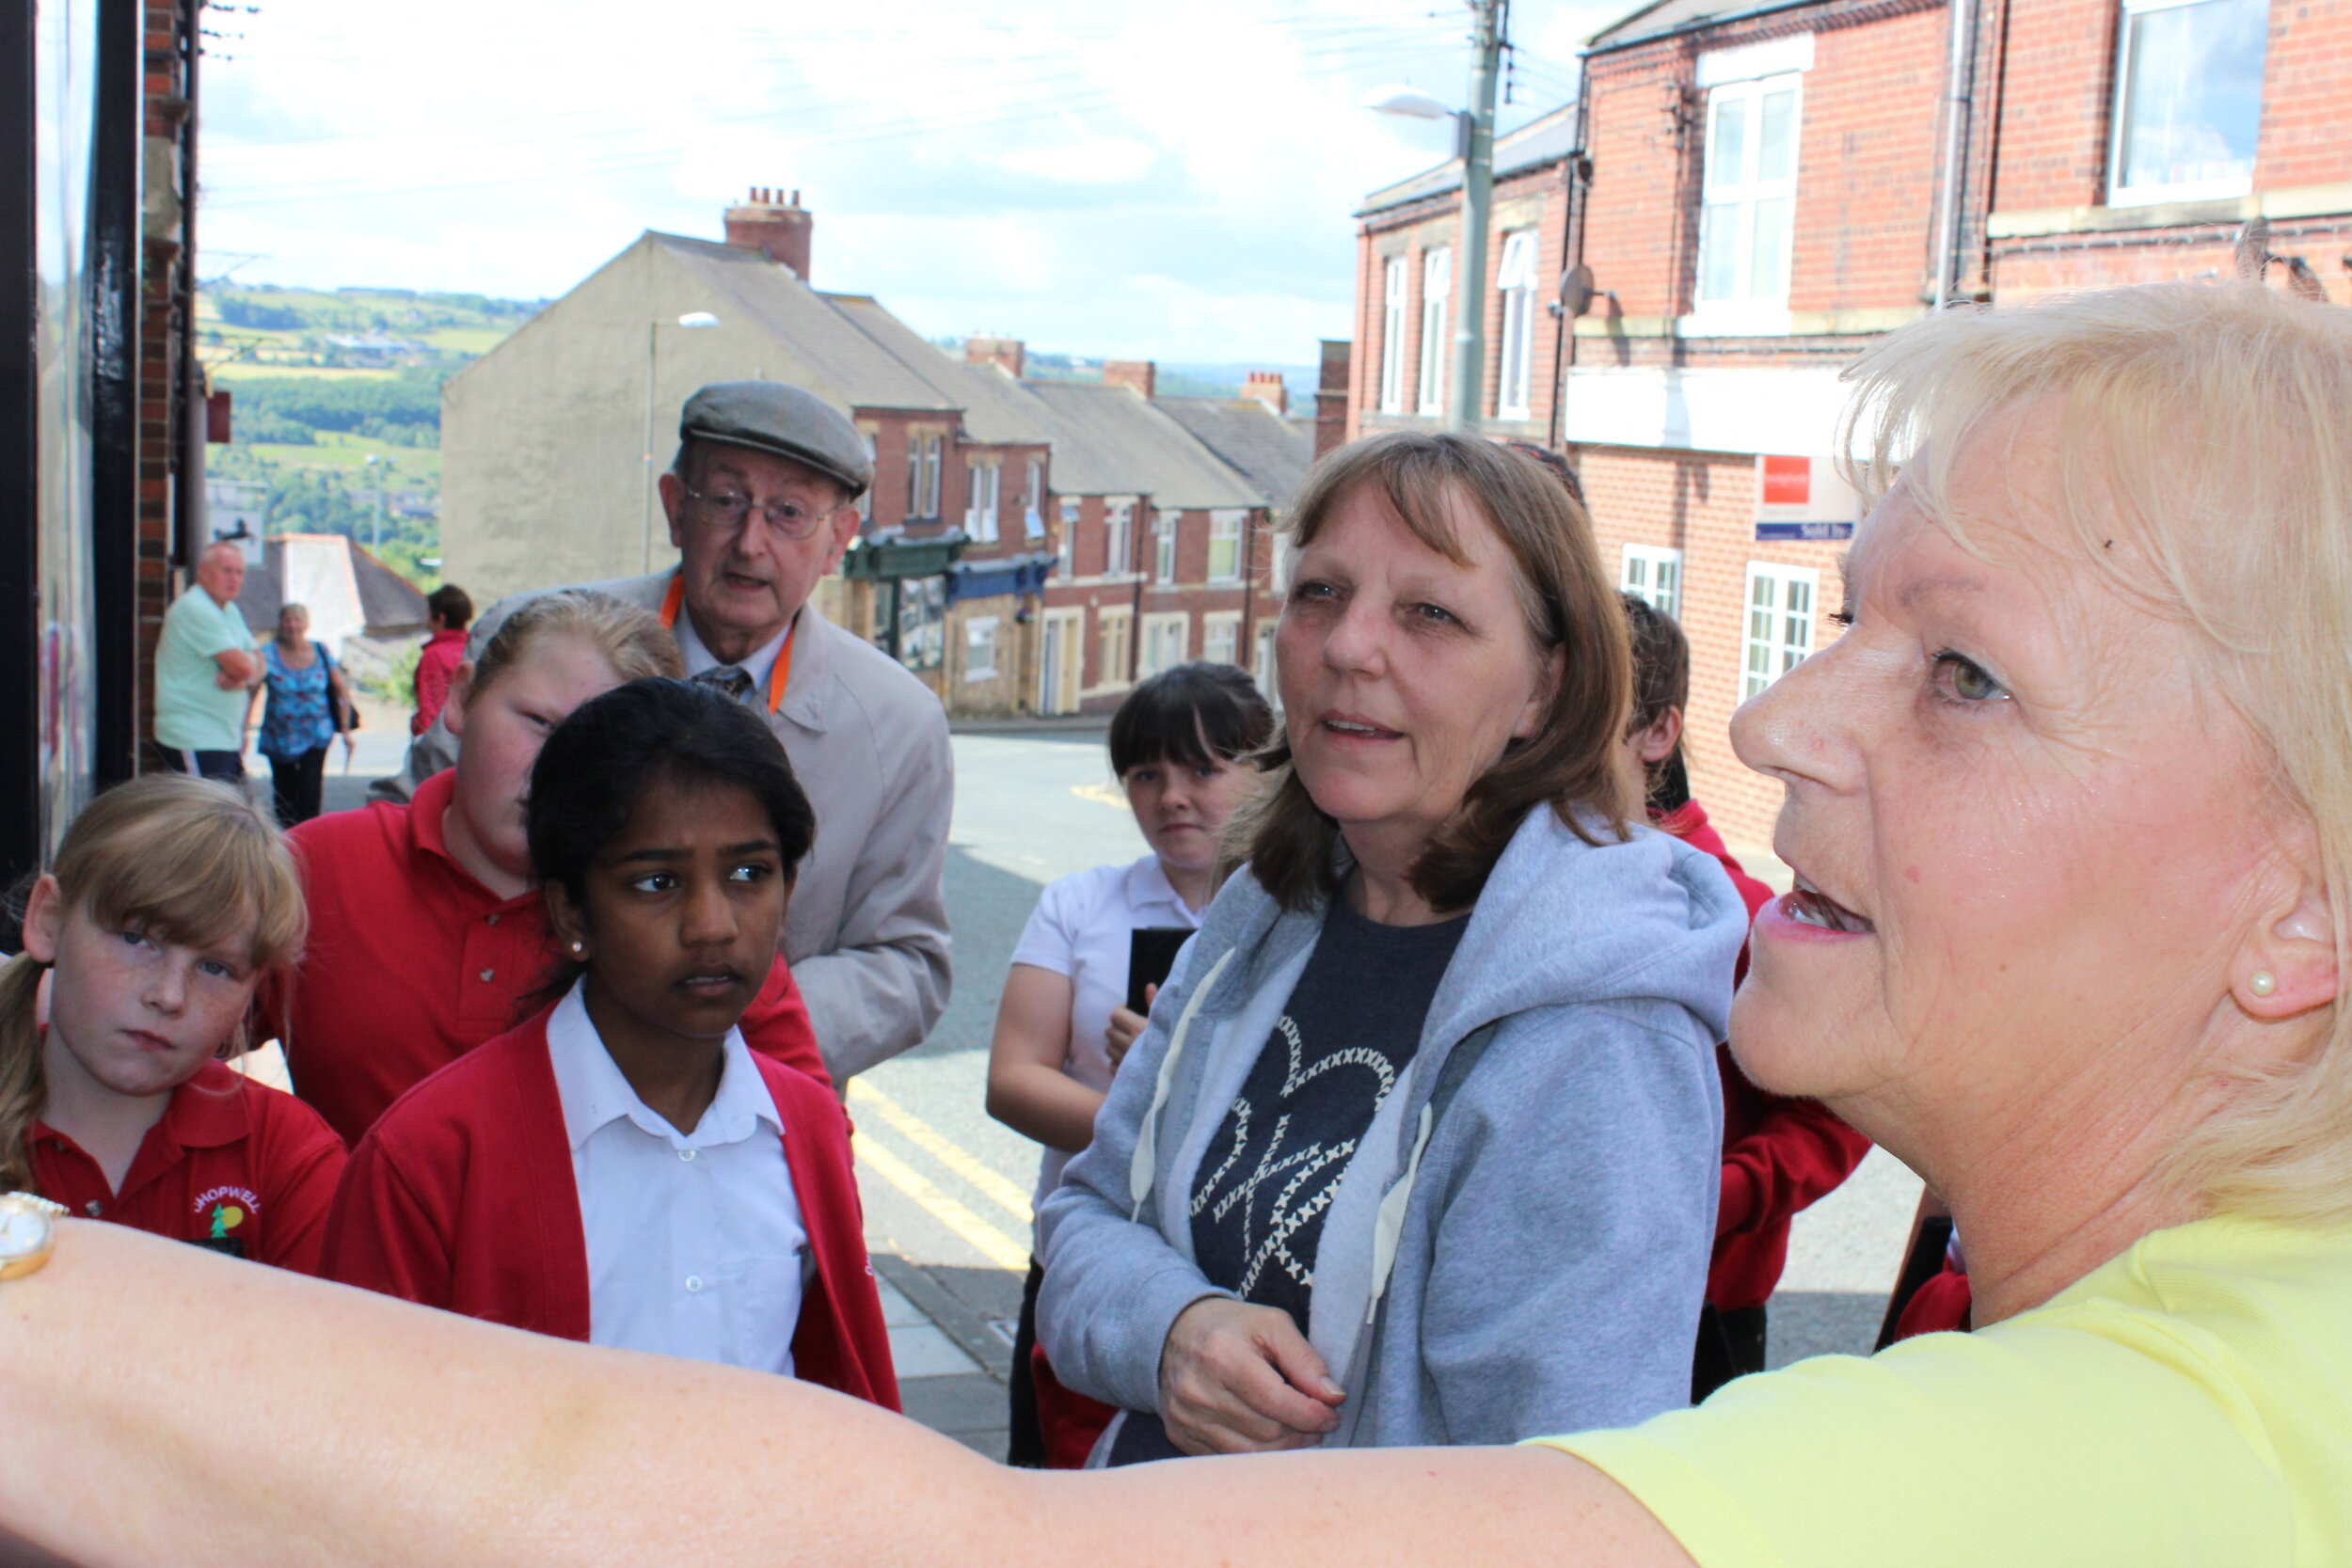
(1772, 186)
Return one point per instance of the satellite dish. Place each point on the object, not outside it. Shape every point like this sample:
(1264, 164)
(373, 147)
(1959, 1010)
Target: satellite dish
(1576, 290)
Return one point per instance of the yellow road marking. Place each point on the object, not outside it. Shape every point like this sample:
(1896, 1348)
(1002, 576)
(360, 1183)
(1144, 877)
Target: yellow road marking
(923, 1135)
(984, 1238)
(1099, 794)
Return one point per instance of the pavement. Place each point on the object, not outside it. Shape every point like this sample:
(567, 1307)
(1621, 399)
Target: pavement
(946, 1189)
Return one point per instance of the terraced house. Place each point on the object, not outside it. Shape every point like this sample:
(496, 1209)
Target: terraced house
(1754, 193)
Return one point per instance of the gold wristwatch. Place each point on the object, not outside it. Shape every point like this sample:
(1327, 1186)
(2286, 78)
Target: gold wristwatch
(28, 1233)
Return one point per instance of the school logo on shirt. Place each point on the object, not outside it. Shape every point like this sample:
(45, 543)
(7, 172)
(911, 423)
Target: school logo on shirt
(222, 1210)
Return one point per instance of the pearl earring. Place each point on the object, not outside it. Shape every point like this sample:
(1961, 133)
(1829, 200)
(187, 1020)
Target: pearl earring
(2262, 982)
(579, 947)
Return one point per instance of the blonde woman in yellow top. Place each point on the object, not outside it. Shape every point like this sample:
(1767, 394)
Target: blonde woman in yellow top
(2071, 800)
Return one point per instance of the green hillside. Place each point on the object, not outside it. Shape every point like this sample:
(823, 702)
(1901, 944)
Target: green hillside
(321, 381)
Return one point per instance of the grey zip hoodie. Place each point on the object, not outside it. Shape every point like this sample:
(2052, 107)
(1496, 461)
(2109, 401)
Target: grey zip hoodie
(1527, 1258)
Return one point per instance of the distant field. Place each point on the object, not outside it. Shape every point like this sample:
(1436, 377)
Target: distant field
(250, 369)
(466, 339)
(347, 457)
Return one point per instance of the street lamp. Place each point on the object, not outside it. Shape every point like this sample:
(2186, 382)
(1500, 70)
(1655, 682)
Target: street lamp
(1474, 144)
(691, 319)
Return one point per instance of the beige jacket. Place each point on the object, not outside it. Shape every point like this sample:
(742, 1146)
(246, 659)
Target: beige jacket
(868, 933)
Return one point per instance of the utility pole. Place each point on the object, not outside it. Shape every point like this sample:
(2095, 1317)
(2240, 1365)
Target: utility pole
(1467, 402)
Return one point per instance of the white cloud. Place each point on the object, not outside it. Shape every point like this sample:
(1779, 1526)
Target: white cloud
(1166, 182)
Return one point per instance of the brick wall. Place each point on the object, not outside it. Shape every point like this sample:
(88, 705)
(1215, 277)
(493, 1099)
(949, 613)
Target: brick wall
(1704, 505)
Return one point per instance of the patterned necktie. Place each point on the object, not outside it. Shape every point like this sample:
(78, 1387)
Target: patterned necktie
(727, 680)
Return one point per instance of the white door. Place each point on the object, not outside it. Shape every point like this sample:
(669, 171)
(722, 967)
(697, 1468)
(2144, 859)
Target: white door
(1057, 664)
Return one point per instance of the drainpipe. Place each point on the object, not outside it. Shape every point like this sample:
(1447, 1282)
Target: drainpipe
(1963, 48)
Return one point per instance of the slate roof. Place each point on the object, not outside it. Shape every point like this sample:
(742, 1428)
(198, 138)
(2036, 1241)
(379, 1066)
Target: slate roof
(1113, 441)
(856, 370)
(1272, 452)
(1545, 139)
(997, 408)
(389, 602)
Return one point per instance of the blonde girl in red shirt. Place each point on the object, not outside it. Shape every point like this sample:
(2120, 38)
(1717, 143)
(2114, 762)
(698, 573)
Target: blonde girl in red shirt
(171, 898)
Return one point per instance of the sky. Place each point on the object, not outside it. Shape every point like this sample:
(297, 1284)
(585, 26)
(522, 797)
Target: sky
(1168, 182)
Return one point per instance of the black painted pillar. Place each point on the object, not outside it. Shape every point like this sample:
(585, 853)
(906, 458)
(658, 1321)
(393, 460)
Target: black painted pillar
(20, 453)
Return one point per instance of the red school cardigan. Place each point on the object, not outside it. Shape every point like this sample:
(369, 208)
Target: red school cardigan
(462, 1197)
(1780, 1155)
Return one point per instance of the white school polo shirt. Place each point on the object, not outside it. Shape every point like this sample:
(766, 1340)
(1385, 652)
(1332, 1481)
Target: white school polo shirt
(1080, 929)
(696, 1243)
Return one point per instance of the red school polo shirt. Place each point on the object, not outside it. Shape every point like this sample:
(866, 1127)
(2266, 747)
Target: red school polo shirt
(411, 963)
(235, 1166)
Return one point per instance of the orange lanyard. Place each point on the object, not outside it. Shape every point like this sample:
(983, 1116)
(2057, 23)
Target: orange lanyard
(779, 674)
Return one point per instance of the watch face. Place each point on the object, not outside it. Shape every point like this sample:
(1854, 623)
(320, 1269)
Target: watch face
(23, 1230)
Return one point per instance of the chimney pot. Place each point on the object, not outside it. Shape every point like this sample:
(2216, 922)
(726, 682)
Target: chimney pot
(1266, 386)
(781, 233)
(1140, 375)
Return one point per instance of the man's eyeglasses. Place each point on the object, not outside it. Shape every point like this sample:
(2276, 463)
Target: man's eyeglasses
(727, 511)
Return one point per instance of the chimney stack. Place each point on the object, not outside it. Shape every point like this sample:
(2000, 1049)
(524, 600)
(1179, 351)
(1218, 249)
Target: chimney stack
(1266, 386)
(1141, 375)
(1331, 395)
(1007, 351)
(777, 228)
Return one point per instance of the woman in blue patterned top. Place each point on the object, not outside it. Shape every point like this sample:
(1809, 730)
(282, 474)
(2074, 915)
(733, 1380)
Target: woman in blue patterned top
(309, 706)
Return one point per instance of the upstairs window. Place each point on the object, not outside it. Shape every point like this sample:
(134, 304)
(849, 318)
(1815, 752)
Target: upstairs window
(1437, 288)
(2188, 99)
(1164, 555)
(923, 455)
(1066, 547)
(980, 504)
(865, 497)
(1118, 527)
(1392, 338)
(1515, 280)
(1225, 547)
(1750, 197)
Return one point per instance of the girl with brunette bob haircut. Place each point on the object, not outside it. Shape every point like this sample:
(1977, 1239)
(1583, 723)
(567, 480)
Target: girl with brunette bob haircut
(1570, 607)
(565, 1177)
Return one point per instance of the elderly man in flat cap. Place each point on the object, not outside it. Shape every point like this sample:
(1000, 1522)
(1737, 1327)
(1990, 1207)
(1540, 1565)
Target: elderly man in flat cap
(761, 504)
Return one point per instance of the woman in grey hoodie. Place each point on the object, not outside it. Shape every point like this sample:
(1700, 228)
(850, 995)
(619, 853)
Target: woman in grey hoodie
(1422, 1146)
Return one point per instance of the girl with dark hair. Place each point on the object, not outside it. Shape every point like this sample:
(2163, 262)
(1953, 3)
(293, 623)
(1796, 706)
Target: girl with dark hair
(426, 929)
(621, 1169)
(1178, 744)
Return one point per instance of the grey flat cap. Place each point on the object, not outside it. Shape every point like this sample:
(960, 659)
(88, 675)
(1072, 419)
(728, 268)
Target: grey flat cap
(770, 417)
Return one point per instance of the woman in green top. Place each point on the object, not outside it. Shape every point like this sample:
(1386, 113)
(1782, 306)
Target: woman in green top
(2071, 800)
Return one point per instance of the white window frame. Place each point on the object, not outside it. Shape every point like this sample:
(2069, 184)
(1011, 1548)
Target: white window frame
(923, 460)
(1515, 282)
(1776, 635)
(1736, 200)
(1221, 628)
(1164, 526)
(1262, 664)
(1437, 295)
(1066, 547)
(865, 497)
(1225, 529)
(1112, 653)
(1033, 499)
(980, 502)
(2120, 195)
(1119, 530)
(1395, 287)
(980, 648)
(1654, 574)
(1156, 641)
